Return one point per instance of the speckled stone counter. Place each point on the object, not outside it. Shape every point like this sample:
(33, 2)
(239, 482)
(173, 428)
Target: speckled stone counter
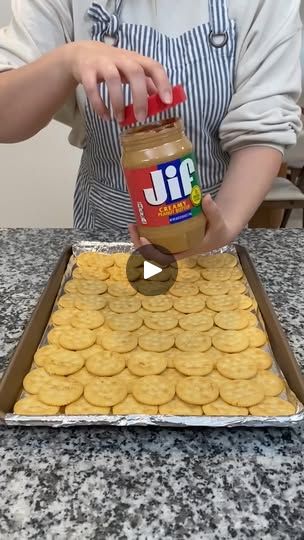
(103, 483)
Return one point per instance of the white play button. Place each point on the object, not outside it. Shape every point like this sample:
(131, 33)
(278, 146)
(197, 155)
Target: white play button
(151, 270)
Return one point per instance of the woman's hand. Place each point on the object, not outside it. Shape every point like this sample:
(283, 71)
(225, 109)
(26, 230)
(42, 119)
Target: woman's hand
(217, 235)
(92, 63)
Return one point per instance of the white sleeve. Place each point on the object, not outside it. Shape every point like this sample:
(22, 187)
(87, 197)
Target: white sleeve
(263, 110)
(37, 26)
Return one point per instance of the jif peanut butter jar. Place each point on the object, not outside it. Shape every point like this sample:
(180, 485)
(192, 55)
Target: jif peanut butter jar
(161, 175)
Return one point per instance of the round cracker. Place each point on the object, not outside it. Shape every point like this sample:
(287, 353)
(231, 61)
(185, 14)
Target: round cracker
(214, 330)
(230, 341)
(54, 335)
(177, 407)
(173, 375)
(184, 289)
(187, 275)
(105, 392)
(232, 320)
(213, 354)
(153, 390)
(194, 364)
(60, 391)
(131, 406)
(126, 322)
(32, 406)
(161, 321)
(242, 393)
(125, 304)
(189, 262)
(209, 312)
(43, 352)
(256, 337)
(236, 274)
(102, 260)
(214, 288)
(67, 301)
(198, 322)
(88, 319)
(191, 304)
(236, 287)
(170, 355)
(218, 260)
(127, 378)
(91, 286)
(271, 383)
(243, 301)
(121, 259)
(71, 286)
(143, 363)
(221, 408)
(86, 353)
(83, 376)
(142, 331)
(193, 341)
(121, 288)
(262, 358)
(175, 331)
(223, 302)
(92, 302)
(83, 407)
(216, 274)
(236, 366)
(63, 362)
(197, 390)
(156, 341)
(273, 406)
(33, 381)
(106, 363)
(157, 303)
(120, 342)
(252, 319)
(217, 378)
(77, 339)
(63, 317)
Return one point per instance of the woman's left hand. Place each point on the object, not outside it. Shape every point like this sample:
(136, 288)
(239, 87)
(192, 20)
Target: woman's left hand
(218, 233)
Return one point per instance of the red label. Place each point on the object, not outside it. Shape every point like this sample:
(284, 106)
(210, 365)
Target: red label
(165, 194)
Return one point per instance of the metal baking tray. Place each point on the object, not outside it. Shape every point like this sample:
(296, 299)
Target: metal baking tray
(35, 335)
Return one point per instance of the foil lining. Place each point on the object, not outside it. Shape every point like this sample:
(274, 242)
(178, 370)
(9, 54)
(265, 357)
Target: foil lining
(62, 420)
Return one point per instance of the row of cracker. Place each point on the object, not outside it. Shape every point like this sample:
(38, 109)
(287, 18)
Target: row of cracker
(154, 394)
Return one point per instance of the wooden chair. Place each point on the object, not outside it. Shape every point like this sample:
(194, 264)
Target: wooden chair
(286, 195)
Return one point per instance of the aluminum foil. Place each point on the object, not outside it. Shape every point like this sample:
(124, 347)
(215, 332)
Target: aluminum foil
(62, 420)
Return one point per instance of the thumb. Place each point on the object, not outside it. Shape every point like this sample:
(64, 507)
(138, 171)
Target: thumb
(211, 211)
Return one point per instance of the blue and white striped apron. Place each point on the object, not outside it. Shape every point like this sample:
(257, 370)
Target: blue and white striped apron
(201, 59)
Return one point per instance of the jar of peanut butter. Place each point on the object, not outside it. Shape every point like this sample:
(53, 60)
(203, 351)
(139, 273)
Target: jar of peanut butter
(161, 175)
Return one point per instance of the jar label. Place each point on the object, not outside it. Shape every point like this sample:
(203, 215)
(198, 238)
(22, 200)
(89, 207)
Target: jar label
(166, 193)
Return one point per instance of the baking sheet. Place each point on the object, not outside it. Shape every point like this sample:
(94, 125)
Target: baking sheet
(61, 420)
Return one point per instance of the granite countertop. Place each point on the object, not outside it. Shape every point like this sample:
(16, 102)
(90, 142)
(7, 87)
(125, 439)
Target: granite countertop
(149, 483)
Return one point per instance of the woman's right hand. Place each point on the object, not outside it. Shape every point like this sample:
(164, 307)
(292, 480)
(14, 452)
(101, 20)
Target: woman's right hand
(92, 63)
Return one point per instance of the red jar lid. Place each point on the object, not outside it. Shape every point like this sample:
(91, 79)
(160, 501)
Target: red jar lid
(155, 105)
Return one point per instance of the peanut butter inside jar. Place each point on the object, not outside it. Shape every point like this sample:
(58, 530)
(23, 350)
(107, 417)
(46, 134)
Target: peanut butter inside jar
(161, 175)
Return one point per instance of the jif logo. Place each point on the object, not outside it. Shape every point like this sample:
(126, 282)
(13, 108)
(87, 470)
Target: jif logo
(171, 183)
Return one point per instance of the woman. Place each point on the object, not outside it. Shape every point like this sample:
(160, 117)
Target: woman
(80, 62)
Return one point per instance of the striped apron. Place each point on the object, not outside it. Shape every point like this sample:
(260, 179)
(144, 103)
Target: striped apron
(201, 59)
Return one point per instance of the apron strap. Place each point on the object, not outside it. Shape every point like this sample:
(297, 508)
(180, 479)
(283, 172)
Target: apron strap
(106, 25)
(219, 20)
